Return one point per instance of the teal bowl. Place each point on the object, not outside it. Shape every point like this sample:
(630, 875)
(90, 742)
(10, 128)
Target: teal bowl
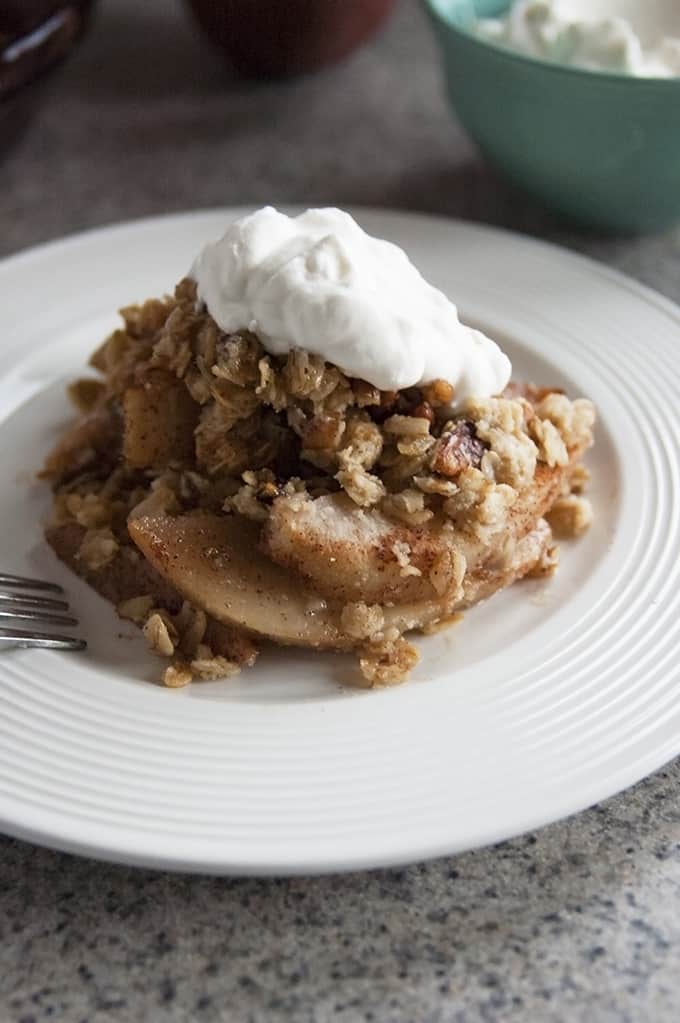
(601, 148)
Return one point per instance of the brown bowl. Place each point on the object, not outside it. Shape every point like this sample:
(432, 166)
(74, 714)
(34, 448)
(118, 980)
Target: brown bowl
(35, 35)
(270, 39)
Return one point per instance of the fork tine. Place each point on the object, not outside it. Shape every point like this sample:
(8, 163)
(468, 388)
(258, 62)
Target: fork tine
(25, 600)
(28, 584)
(37, 616)
(21, 637)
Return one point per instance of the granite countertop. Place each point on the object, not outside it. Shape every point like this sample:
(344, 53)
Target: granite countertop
(577, 922)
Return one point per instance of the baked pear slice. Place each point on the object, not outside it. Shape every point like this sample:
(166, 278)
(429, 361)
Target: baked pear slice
(215, 562)
(349, 553)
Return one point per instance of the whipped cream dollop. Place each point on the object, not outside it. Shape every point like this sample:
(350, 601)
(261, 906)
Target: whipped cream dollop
(635, 37)
(319, 282)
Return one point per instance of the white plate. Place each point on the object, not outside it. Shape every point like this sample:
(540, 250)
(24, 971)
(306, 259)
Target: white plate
(548, 698)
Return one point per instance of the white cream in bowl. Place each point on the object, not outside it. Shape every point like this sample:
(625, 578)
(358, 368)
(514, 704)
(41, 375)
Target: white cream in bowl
(634, 37)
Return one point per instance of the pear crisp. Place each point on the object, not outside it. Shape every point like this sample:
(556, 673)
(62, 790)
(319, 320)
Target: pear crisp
(220, 495)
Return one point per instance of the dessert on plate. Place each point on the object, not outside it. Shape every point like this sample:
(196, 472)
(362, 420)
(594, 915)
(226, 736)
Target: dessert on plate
(304, 444)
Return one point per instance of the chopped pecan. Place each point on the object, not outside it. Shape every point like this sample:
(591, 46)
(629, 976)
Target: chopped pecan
(423, 411)
(458, 448)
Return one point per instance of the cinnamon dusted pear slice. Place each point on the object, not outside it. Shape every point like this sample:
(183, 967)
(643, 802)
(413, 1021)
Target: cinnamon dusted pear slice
(215, 563)
(349, 553)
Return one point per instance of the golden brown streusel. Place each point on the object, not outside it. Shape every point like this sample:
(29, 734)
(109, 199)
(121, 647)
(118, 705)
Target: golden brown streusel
(98, 548)
(447, 574)
(388, 661)
(191, 624)
(551, 448)
(260, 410)
(136, 609)
(363, 487)
(177, 675)
(570, 516)
(435, 485)
(407, 426)
(362, 442)
(408, 507)
(362, 620)
(183, 633)
(402, 553)
(500, 423)
(547, 564)
(160, 634)
(573, 419)
(207, 666)
(90, 510)
(478, 503)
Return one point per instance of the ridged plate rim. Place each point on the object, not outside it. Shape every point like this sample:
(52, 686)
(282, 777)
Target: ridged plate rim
(233, 812)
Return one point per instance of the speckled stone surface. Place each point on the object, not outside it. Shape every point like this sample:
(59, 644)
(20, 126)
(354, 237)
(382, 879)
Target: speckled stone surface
(580, 921)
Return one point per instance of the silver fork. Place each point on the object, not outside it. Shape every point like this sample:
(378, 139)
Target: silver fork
(16, 605)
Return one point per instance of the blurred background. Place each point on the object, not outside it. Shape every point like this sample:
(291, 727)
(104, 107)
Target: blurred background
(147, 116)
